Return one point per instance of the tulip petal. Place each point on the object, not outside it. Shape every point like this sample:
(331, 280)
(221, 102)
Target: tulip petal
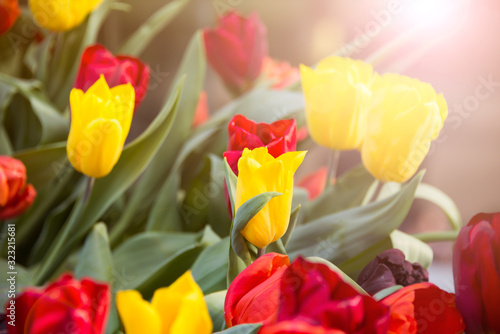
(137, 315)
(101, 147)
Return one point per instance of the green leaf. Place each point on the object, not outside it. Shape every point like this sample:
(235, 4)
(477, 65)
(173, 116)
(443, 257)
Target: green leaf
(386, 292)
(139, 256)
(44, 163)
(414, 249)
(28, 115)
(193, 66)
(244, 214)
(215, 304)
(348, 192)
(165, 214)
(336, 269)
(342, 235)
(141, 38)
(293, 220)
(210, 268)
(134, 159)
(243, 329)
(438, 197)
(169, 270)
(95, 258)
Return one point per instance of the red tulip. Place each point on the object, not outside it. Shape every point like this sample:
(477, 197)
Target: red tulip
(9, 12)
(282, 74)
(15, 195)
(236, 50)
(253, 296)
(314, 299)
(314, 182)
(390, 268)
(96, 60)
(65, 306)
(201, 114)
(279, 137)
(423, 308)
(476, 268)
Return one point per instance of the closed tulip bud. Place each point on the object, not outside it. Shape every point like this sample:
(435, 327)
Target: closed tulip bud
(406, 116)
(57, 15)
(100, 122)
(390, 268)
(337, 97)
(236, 50)
(78, 306)
(178, 309)
(15, 195)
(9, 12)
(476, 269)
(260, 172)
(253, 296)
(117, 70)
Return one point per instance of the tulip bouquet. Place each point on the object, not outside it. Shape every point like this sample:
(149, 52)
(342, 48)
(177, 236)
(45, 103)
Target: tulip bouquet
(199, 224)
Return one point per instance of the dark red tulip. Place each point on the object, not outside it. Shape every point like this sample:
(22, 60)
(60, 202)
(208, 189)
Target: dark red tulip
(390, 268)
(117, 70)
(423, 308)
(476, 269)
(253, 296)
(65, 306)
(15, 195)
(236, 50)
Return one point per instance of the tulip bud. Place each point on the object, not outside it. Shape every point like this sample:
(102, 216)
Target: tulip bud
(236, 50)
(82, 306)
(337, 101)
(100, 122)
(314, 182)
(253, 296)
(260, 172)
(9, 12)
(406, 116)
(177, 309)
(15, 195)
(390, 268)
(119, 70)
(476, 269)
(56, 16)
(201, 114)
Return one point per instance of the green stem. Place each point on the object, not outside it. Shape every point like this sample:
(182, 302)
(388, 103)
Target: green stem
(55, 255)
(333, 165)
(437, 236)
(261, 251)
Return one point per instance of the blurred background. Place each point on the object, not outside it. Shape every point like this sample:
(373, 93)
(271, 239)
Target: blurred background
(452, 44)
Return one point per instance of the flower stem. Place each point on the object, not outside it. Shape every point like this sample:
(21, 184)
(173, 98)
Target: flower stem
(261, 251)
(333, 164)
(437, 236)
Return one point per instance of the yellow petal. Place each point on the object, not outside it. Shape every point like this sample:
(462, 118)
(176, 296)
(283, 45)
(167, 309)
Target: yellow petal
(100, 147)
(136, 314)
(100, 89)
(182, 306)
(123, 97)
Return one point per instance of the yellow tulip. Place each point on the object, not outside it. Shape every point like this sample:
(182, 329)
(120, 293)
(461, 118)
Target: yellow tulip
(100, 122)
(337, 98)
(406, 116)
(260, 172)
(61, 15)
(178, 309)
